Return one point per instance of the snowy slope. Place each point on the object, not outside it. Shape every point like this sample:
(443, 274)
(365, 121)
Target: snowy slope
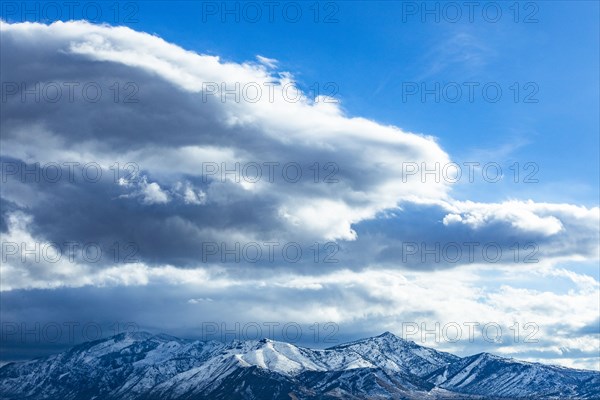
(485, 373)
(145, 366)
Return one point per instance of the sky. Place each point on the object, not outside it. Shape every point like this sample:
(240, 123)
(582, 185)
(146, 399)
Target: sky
(133, 133)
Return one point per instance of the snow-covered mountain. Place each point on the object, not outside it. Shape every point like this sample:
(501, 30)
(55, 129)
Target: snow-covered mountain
(145, 366)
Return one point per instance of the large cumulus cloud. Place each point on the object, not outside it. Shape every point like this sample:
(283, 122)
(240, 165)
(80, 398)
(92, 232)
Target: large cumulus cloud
(174, 130)
(155, 190)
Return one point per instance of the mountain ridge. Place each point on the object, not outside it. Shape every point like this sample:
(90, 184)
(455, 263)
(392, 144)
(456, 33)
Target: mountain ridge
(142, 365)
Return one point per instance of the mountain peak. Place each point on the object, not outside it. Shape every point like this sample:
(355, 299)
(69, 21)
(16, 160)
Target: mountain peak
(488, 356)
(386, 337)
(384, 366)
(390, 335)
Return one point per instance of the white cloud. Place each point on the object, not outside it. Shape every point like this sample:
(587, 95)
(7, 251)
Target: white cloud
(525, 216)
(148, 193)
(269, 130)
(197, 197)
(269, 62)
(153, 194)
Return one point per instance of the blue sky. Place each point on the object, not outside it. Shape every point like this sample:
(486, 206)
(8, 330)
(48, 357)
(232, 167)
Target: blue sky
(376, 54)
(370, 52)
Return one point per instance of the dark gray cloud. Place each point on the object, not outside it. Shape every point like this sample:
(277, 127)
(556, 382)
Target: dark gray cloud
(151, 136)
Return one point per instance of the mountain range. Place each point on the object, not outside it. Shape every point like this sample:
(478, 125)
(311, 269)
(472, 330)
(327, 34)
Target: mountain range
(136, 366)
